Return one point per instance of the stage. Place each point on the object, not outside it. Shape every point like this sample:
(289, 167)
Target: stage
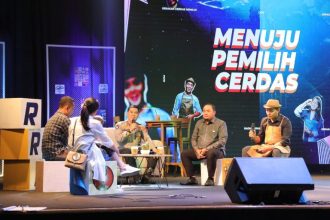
(159, 201)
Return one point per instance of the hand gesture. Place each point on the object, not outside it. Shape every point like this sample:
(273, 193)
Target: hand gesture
(199, 153)
(204, 151)
(260, 150)
(264, 149)
(308, 102)
(133, 127)
(252, 134)
(190, 116)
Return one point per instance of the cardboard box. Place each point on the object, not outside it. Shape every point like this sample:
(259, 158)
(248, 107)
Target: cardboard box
(19, 175)
(220, 173)
(89, 186)
(222, 170)
(52, 176)
(20, 113)
(20, 144)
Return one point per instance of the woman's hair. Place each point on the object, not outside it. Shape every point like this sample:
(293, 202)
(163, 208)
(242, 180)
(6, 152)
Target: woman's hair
(319, 108)
(90, 105)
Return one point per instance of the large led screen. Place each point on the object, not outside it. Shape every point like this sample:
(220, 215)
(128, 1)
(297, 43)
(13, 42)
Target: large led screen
(240, 54)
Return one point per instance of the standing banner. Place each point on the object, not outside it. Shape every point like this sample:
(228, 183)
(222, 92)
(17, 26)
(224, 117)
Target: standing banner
(81, 72)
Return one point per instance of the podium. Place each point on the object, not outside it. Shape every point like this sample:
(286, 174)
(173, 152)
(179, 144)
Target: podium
(20, 141)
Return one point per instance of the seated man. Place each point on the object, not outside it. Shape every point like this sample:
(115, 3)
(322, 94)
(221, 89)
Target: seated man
(55, 136)
(130, 133)
(275, 131)
(208, 141)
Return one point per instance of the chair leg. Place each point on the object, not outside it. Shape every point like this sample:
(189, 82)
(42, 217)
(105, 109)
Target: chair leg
(166, 169)
(183, 170)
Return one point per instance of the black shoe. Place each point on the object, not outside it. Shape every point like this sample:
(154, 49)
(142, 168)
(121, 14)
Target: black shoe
(129, 180)
(122, 180)
(147, 180)
(190, 181)
(209, 182)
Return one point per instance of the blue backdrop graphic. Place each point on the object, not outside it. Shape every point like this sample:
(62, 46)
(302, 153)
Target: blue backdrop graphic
(82, 72)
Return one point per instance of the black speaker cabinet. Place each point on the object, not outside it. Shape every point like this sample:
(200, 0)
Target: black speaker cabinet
(267, 180)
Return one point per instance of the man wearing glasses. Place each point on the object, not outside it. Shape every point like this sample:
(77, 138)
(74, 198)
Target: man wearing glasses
(273, 139)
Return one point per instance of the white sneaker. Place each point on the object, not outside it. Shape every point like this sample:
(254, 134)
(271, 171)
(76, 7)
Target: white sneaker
(129, 171)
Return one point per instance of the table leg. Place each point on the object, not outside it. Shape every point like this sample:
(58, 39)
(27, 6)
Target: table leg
(161, 169)
(162, 134)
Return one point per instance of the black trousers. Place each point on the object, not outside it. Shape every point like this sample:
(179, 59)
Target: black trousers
(188, 156)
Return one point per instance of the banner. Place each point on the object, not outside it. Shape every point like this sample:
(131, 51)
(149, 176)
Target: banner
(82, 72)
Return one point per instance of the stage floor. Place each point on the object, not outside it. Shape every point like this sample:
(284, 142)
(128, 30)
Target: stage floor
(182, 200)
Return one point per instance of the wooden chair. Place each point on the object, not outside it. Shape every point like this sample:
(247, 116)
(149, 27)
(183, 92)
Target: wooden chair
(186, 125)
(184, 140)
(116, 119)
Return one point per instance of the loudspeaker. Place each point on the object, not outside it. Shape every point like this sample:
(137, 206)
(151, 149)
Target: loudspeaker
(267, 180)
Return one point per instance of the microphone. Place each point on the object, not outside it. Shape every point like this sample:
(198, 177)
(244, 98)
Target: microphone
(136, 127)
(253, 127)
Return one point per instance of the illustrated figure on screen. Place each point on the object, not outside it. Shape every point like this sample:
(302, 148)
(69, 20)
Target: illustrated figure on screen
(310, 111)
(208, 142)
(136, 89)
(273, 139)
(186, 104)
(130, 134)
(55, 136)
